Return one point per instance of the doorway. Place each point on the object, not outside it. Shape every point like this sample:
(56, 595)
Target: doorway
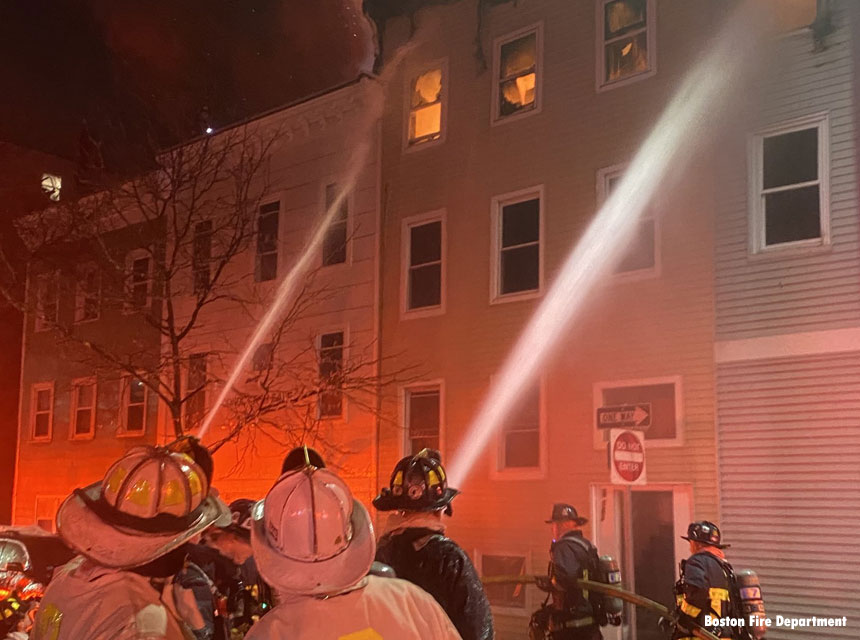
(641, 528)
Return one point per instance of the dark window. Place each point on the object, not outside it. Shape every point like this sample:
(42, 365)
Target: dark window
(331, 372)
(85, 407)
(43, 410)
(334, 243)
(139, 282)
(662, 399)
(267, 242)
(519, 260)
(625, 39)
(422, 419)
(88, 294)
(521, 433)
(135, 408)
(202, 256)
(504, 595)
(262, 359)
(425, 265)
(47, 300)
(791, 187)
(195, 403)
(517, 75)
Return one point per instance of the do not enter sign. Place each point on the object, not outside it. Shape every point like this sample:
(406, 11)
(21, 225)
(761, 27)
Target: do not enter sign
(627, 456)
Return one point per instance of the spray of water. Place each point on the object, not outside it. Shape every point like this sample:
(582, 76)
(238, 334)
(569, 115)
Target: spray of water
(361, 142)
(705, 89)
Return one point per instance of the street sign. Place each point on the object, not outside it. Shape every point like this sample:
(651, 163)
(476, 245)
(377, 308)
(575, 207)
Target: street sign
(635, 416)
(627, 456)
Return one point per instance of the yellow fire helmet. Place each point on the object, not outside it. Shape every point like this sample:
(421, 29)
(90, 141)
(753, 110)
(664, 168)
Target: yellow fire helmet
(150, 501)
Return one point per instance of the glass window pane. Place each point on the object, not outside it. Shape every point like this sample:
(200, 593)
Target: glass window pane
(331, 403)
(662, 399)
(621, 16)
(262, 357)
(334, 245)
(520, 269)
(640, 254)
(267, 267)
(626, 57)
(423, 413)
(517, 94)
(136, 392)
(522, 449)
(328, 340)
(83, 421)
(426, 122)
(43, 400)
(425, 243)
(792, 215)
(790, 158)
(425, 286)
(85, 395)
(42, 424)
(521, 222)
(427, 88)
(518, 56)
(267, 239)
(134, 418)
(331, 194)
(140, 270)
(504, 595)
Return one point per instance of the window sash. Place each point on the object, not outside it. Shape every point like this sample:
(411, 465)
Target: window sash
(42, 419)
(83, 413)
(135, 409)
(331, 364)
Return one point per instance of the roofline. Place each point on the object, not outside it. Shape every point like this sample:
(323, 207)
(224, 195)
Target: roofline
(274, 110)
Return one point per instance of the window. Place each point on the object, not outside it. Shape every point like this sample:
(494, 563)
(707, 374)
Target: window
(202, 256)
(426, 103)
(641, 255)
(422, 418)
(331, 371)
(42, 410)
(790, 185)
(51, 186)
(510, 596)
(267, 242)
(83, 408)
(139, 278)
(423, 241)
(195, 389)
(88, 293)
(625, 40)
(334, 243)
(517, 244)
(134, 413)
(262, 359)
(46, 511)
(47, 300)
(662, 396)
(520, 441)
(517, 73)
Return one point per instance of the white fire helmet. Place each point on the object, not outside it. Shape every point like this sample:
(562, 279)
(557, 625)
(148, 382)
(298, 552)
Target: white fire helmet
(150, 502)
(310, 536)
(14, 556)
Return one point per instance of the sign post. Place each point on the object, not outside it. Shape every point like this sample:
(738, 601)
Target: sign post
(627, 456)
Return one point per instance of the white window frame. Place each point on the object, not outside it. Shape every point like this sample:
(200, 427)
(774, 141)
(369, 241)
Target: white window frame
(537, 29)
(660, 443)
(757, 221)
(278, 250)
(529, 606)
(412, 73)
(130, 259)
(54, 502)
(350, 216)
(35, 388)
(125, 391)
(81, 294)
(73, 419)
(604, 175)
(344, 329)
(436, 384)
(439, 215)
(496, 206)
(602, 85)
(40, 324)
(499, 472)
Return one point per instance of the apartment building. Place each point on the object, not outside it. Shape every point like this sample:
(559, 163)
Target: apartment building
(79, 414)
(506, 127)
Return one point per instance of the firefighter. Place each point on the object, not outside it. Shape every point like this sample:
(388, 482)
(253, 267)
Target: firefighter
(414, 543)
(130, 530)
(574, 614)
(704, 587)
(314, 544)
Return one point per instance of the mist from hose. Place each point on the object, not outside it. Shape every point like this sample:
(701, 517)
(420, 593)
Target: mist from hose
(704, 91)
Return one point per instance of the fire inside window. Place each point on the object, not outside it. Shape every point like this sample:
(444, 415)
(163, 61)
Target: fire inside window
(51, 186)
(517, 75)
(425, 110)
(625, 39)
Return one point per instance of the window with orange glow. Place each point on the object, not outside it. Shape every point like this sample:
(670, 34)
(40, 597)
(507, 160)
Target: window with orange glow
(517, 74)
(625, 37)
(425, 107)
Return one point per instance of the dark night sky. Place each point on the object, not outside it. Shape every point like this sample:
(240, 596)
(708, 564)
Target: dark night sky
(132, 67)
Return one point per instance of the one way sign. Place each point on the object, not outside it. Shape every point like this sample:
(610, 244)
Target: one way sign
(625, 416)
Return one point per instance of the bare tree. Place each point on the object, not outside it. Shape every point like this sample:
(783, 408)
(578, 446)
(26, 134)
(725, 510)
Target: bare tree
(168, 254)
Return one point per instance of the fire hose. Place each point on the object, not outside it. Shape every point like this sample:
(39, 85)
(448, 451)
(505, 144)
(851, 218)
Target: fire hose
(610, 590)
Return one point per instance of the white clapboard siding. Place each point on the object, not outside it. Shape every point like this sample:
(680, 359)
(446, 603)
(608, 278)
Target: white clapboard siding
(790, 291)
(789, 452)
